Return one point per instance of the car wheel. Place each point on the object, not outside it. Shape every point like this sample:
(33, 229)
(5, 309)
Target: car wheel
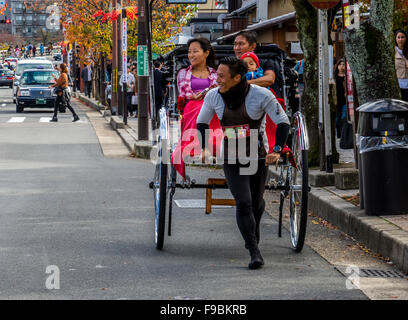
(11, 87)
(19, 108)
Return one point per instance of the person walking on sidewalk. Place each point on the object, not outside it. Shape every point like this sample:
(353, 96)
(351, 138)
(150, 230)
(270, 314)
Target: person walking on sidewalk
(401, 62)
(241, 109)
(63, 96)
(86, 76)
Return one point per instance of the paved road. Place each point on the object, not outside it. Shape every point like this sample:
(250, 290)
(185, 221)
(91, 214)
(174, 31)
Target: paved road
(63, 203)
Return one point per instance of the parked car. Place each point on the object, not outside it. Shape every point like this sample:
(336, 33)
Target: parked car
(34, 91)
(57, 57)
(6, 77)
(23, 65)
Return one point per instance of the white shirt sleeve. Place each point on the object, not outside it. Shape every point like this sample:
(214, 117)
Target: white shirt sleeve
(208, 109)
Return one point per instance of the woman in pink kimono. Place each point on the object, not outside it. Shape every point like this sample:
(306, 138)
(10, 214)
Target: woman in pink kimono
(193, 83)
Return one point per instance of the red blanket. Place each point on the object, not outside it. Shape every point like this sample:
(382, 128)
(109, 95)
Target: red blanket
(189, 146)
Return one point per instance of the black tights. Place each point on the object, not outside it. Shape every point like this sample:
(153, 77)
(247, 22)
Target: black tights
(57, 103)
(248, 191)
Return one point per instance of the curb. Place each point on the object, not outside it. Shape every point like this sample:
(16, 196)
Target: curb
(376, 233)
(141, 149)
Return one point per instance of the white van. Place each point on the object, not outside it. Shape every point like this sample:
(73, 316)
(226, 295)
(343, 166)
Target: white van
(28, 64)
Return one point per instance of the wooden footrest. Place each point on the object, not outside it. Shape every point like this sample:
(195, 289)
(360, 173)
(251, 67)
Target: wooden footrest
(210, 201)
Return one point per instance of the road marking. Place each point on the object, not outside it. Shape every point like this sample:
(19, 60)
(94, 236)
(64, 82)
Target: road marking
(45, 119)
(16, 119)
(3, 105)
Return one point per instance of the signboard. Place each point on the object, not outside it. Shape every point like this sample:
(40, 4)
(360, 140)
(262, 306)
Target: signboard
(323, 4)
(142, 61)
(186, 1)
(124, 49)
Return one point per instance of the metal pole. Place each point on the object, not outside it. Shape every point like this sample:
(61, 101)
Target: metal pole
(119, 55)
(114, 79)
(325, 88)
(143, 80)
(74, 72)
(124, 60)
(322, 147)
(153, 114)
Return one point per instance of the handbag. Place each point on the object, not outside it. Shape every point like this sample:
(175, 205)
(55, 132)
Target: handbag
(135, 100)
(346, 139)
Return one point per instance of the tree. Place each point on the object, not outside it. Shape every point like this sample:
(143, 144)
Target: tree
(307, 24)
(370, 52)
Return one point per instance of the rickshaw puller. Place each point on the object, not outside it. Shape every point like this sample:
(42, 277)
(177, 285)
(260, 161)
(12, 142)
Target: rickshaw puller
(241, 107)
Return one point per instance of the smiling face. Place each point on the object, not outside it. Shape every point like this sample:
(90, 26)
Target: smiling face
(252, 66)
(196, 54)
(224, 79)
(241, 46)
(401, 39)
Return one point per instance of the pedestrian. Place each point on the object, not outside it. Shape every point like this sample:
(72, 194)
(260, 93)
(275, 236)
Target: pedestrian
(241, 108)
(135, 97)
(34, 50)
(299, 69)
(341, 107)
(401, 62)
(42, 49)
(245, 41)
(108, 93)
(159, 85)
(63, 95)
(193, 82)
(86, 76)
(130, 83)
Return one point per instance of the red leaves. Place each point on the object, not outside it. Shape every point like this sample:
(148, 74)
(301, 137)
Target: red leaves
(112, 16)
(131, 13)
(97, 13)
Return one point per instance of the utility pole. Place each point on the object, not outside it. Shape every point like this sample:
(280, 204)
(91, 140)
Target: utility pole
(114, 80)
(124, 63)
(119, 55)
(142, 71)
(324, 88)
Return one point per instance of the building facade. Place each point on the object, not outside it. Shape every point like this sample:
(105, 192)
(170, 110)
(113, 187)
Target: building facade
(273, 20)
(30, 20)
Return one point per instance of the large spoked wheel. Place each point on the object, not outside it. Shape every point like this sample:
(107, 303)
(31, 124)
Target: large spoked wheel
(298, 194)
(160, 197)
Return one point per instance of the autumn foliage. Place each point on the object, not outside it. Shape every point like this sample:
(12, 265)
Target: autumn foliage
(89, 23)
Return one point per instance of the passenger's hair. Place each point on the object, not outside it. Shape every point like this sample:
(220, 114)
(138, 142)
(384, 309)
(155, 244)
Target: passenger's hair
(250, 36)
(235, 65)
(206, 46)
(405, 49)
(63, 68)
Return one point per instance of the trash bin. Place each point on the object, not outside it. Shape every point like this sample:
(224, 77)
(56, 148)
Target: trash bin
(382, 142)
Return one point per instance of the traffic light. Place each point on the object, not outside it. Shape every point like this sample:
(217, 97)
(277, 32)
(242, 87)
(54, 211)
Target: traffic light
(8, 21)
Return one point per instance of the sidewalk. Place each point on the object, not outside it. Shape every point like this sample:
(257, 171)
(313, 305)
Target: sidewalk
(331, 197)
(128, 133)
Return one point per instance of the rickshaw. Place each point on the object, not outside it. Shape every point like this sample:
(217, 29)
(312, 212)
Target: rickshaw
(291, 179)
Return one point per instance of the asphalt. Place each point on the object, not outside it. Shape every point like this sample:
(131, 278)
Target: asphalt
(385, 236)
(67, 204)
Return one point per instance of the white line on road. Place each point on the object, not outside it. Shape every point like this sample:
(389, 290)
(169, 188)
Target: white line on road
(45, 119)
(16, 119)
